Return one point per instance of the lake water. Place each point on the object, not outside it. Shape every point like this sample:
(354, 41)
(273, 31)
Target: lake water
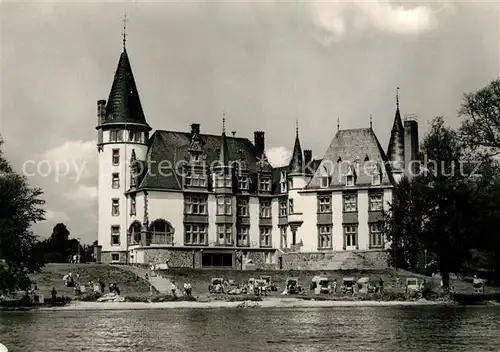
(184, 330)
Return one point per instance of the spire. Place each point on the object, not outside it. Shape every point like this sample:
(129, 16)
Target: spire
(296, 127)
(371, 124)
(124, 105)
(125, 19)
(338, 124)
(224, 150)
(296, 163)
(395, 151)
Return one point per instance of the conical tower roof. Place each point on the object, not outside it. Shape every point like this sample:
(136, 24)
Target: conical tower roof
(395, 151)
(124, 105)
(297, 160)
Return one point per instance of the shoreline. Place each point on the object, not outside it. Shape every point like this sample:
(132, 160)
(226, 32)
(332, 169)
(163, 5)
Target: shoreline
(266, 303)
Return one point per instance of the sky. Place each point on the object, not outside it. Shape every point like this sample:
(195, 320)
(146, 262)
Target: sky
(265, 64)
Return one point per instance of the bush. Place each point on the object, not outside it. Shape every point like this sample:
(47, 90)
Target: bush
(89, 297)
(430, 290)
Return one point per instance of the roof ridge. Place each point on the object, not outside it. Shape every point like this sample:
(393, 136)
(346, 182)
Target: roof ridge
(203, 134)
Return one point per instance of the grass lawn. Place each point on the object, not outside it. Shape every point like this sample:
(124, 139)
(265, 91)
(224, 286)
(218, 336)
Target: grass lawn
(52, 276)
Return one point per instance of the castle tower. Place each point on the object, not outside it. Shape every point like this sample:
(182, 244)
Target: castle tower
(396, 149)
(122, 136)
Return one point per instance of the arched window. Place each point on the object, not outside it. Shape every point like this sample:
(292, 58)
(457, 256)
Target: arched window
(135, 232)
(161, 232)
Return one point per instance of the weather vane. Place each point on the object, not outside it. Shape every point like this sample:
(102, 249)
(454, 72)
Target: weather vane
(125, 19)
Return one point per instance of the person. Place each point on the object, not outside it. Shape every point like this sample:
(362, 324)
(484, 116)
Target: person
(188, 289)
(173, 288)
(54, 294)
(334, 285)
(381, 284)
(101, 285)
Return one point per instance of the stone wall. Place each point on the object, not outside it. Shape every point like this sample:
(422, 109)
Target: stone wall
(340, 260)
(176, 258)
(106, 257)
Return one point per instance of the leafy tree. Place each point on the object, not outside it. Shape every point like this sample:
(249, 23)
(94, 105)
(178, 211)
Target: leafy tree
(481, 113)
(20, 208)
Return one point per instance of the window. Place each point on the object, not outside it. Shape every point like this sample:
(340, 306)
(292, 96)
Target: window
(115, 183)
(375, 201)
(349, 180)
(265, 184)
(113, 135)
(224, 233)
(134, 136)
(196, 205)
(243, 183)
(350, 235)
(350, 203)
(195, 180)
(195, 234)
(119, 135)
(283, 239)
(325, 182)
(283, 182)
(161, 232)
(223, 181)
(324, 204)
(325, 237)
(115, 235)
(195, 157)
(243, 207)
(135, 233)
(290, 206)
(265, 208)
(290, 184)
(243, 236)
(224, 206)
(132, 205)
(133, 174)
(265, 237)
(376, 238)
(269, 258)
(116, 157)
(115, 207)
(283, 207)
(115, 257)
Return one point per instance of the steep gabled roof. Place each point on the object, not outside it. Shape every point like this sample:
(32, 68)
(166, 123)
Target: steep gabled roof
(171, 148)
(358, 147)
(297, 160)
(124, 105)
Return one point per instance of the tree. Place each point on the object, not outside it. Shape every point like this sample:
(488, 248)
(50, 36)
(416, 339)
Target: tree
(481, 113)
(20, 208)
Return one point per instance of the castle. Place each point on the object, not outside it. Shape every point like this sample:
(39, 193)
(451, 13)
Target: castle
(214, 201)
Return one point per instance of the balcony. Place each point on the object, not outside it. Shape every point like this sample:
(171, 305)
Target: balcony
(222, 244)
(295, 218)
(243, 243)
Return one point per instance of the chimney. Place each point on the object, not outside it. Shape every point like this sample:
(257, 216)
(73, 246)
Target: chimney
(307, 156)
(259, 142)
(411, 145)
(195, 128)
(101, 111)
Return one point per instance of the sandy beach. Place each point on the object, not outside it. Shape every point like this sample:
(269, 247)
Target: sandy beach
(266, 303)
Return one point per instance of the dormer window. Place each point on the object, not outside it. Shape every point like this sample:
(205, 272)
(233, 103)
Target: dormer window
(350, 177)
(283, 182)
(265, 184)
(325, 182)
(243, 183)
(376, 179)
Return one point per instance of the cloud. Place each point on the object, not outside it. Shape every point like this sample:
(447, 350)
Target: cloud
(278, 156)
(82, 193)
(56, 216)
(335, 17)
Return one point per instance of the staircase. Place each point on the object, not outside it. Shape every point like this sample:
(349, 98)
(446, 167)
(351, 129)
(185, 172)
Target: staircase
(342, 260)
(160, 283)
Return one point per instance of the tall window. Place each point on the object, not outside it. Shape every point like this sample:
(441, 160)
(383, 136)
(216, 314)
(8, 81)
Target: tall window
(135, 233)
(376, 201)
(283, 182)
(195, 234)
(243, 184)
(113, 135)
(350, 235)
(224, 206)
(265, 237)
(115, 235)
(290, 206)
(265, 208)
(243, 236)
(349, 180)
(119, 135)
(132, 205)
(350, 203)
(133, 174)
(325, 237)
(161, 232)
(265, 184)
(115, 207)
(376, 237)
(196, 205)
(115, 183)
(116, 157)
(324, 204)
(283, 207)
(224, 234)
(243, 207)
(195, 180)
(283, 239)
(325, 182)
(376, 178)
